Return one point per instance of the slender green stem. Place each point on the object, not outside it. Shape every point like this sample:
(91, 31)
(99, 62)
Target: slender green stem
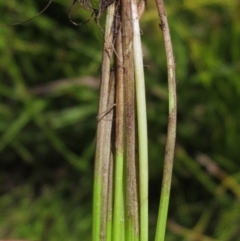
(118, 178)
(103, 144)
(110, 201)
(106, 216)
(171, 135)
(142, 124)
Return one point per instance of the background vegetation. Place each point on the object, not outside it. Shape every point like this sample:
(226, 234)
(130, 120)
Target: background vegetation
(49, 76)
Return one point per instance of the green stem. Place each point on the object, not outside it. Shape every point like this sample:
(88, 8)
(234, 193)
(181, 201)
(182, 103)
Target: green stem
(110, 201)
(172, 120)
(142, 124)
(103, 144)
(118, 184)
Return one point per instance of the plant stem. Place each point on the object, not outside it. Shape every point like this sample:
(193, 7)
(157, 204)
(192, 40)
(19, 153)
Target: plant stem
(103, 143)
(142, 123)
(132, 230)
(110, 201)
(119, 159)
(172, 119)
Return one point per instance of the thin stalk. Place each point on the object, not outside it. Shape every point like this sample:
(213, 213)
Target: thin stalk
(110, 201)
(132, 227)
(106, 182)
(106, 215)
(103, 144)
(142, 123)
(172, 120)
(119, 142)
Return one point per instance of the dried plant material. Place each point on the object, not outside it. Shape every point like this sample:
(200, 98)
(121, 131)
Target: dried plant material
(86, 4)
(25, 21)
(103, 5)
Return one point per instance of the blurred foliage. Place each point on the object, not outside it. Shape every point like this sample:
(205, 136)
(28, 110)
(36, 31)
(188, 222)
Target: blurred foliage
(49, 73)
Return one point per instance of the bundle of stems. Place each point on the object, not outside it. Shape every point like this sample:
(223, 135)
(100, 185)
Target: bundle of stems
(120, 201)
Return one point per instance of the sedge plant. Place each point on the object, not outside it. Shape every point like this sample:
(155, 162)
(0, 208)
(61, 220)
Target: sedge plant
(120, 203)
(120, 198)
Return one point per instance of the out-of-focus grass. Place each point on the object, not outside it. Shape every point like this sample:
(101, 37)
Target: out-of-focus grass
(46, 131)
(48, 217)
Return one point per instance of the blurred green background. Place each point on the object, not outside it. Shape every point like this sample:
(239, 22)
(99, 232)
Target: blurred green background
(49, 77)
